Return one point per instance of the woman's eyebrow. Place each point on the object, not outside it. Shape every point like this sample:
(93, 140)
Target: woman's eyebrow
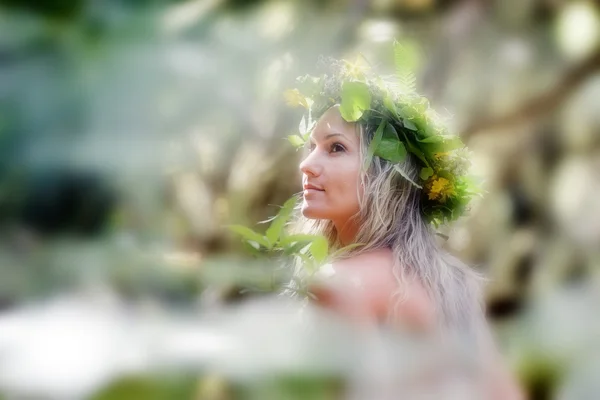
(329, 135)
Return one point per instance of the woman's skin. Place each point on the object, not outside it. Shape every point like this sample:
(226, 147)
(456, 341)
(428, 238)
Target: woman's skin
(362, 287)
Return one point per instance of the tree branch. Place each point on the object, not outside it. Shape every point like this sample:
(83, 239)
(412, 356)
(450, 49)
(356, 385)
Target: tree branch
(541, 105)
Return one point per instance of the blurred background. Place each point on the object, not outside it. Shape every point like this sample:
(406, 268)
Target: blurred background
(133, 131)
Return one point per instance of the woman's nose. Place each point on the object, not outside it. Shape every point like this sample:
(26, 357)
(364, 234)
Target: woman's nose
(310, 166)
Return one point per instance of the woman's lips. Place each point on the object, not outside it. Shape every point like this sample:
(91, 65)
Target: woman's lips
(311, 190)
(309, 186)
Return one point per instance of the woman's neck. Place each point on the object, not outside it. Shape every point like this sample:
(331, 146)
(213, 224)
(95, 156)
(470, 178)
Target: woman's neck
(346, 232)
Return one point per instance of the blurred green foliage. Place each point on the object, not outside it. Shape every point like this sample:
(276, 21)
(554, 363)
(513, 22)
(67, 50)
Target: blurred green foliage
(133, 132)
(150, 388)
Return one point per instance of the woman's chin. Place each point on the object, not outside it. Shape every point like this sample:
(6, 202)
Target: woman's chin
(311, 212)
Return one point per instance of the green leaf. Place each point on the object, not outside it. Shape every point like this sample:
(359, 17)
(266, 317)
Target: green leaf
(296, 248)
(426, 173)
(432, 139)
(274, 231)
(296, 140)
(319, 249)
(443, 147)
(406, 62)
(308, 263)
(398, 168)
(303, 127)
(250, 235)
(356, 98)
(252, 247)
(452, 143)
(411, 147)
(306, 125)
(409, 125)
(300, 237)
(414, 149)
(388, 102)
(444, 142)
(374, 145)
(391, 150)
(390, 133)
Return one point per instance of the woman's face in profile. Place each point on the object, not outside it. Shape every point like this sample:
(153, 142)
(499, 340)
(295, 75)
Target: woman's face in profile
(330, 171)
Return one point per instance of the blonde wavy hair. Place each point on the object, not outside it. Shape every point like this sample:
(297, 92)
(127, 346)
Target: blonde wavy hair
(390, 216)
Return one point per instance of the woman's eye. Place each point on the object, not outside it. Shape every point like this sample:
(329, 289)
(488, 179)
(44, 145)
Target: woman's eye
(337, 148)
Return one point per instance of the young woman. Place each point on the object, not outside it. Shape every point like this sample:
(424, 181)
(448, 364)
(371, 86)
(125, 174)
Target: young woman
(381, 171)
(400, 274)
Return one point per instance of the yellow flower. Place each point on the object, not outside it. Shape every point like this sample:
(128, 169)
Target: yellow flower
(441, 189)
(294, 98)
(358, 68)
(439, 156)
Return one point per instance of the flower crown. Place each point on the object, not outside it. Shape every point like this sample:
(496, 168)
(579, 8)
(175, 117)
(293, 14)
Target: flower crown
(405, 124)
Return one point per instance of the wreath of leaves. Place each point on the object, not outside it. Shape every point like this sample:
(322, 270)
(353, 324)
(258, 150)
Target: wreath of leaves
(405, 124)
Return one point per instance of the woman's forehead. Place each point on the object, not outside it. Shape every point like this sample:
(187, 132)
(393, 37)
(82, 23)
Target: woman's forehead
(331, 122)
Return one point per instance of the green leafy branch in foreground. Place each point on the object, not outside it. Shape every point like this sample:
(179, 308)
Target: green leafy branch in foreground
(312, 250)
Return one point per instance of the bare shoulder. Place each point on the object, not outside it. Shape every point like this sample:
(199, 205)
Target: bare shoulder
(371, 276)
(370, 270)
(375, 261)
